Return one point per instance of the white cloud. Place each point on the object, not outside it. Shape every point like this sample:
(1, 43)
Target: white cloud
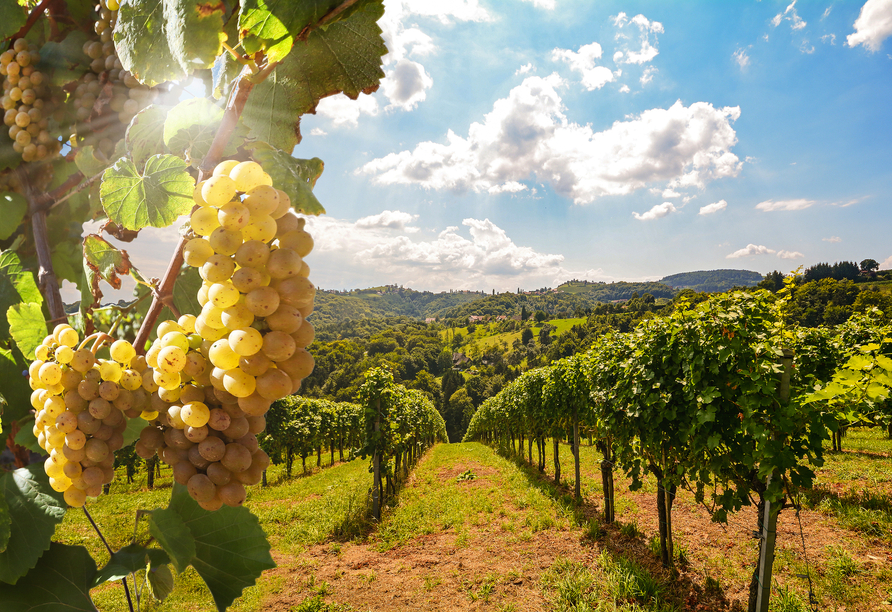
(648, 75)
(742, 59)
(341, 110)
(318, 132)
(887, 264)
(406, 84)
(750, 250)
(444, 10)
(526, 136)
(713, 208)
(524, 69)
(548, 5)
(832, 239)
(624, 89)
(831, 38)
(669, 193)
(770, 205)
(583, 61)
(790, 255)
(488, 258)
(790, 15)
(826, 13)
(646, 28)
(658, 211)
(392, 219)
(873, 25)
(509, 187)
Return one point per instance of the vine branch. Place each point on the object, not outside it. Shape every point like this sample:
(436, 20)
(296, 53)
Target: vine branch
(238, 97)
(326, 19)
(110, 552)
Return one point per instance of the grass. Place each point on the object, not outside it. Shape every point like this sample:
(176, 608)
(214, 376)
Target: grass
(484, 338)
(325, 504)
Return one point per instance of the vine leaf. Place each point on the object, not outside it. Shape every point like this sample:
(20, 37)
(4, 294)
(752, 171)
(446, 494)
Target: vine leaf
(185, 290)
(106, 261)
(26, 326)
(14, 207)
(65, 256)
(127, 560)
(12, 18)
(296, 177)
(230, 548)
(344, 58)
(16, 285)
(190, 128)
(15, 386)
(156, 197)
(160, 580)
(61, 581)
(272, 25)
(5, 522)
(35, 509)
(65, 60)
(166, 40)
(144, 136)
(168, 527)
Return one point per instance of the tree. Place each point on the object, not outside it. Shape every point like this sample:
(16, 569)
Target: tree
(526, 336)
(870, 265)
(540, 316)
(524, 315)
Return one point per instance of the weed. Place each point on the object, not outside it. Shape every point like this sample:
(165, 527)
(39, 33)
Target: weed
(507, 608)
(430, 583)
(631, 530)
(786, 601)
(466, 475)
(316, 604)
(573, 585)
(711, 585)
(368, 577)
(628, 580)
(594, 530)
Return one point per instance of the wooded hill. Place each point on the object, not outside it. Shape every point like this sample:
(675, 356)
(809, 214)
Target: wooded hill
(712, 280)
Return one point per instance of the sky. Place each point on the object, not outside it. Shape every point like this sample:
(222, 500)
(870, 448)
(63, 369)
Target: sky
(523, 143)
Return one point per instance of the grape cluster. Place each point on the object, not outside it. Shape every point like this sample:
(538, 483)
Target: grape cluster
(217, 373)
(107, 79)
(27, 102)
(81, 403)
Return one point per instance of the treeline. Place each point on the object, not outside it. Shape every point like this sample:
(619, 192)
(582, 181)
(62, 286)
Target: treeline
(333, 307)
(713, 280)
(621, 290)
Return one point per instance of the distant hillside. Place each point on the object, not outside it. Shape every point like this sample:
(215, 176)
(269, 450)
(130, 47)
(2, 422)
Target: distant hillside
(713, 280)
(510, 304)
(606, 292)
(336, 307)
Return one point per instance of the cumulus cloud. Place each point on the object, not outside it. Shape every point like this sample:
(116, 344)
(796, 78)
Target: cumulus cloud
(887, 264)
(658, 211)
(742, 59)
(648, 75)
(342, 111)
(713, 208)
(770, 205)
(446, 11)
(406, 85)
(524, 69)
(832, 239)
(583, 61)
(790, 255)
(646, 29)
(624, 89)
(750, 250)
(392, 219)
(873, 26)
(478, 255)
(318, 132)
(790, 15)
(527, 136)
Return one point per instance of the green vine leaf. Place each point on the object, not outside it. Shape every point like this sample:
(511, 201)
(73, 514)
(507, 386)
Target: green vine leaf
(65, 61)
(14, 207)
(231, 550)
(5, 522)
(168, 527)
(12, 18)
(35, 510)
(127, 560)
(106, 260)
(156, 197)
(16, 285)
(26, 326)
(144, 136)
(60, 581)
(185, 290)
(190, 128)
(15, 386)
(296, 177)
(166, 40)
(272, 25)
(344, 58)
(160, 581)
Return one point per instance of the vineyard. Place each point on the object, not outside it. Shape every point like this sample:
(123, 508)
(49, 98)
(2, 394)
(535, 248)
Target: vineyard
(203, 383)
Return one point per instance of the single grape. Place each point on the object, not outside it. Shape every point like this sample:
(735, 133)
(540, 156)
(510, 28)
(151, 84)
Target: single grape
(283, 263)
(305, 335)
(245, 342)
(262, 200)
(255, 364)
(297, 240)
(218, 268)
(232, 494)
(248, 175)
(165, 327)
(252, 254)
(233, 215)
(195, 414)
(237, 316)
(247, 279)
(110, 370)
(204, 221)
(262, 302)
(273, 384)
(225, 167)
(239, 383)
(278, 346)
(223, 295)
(122, 352)
(224, 241)
(197, 251)
(222, 355)
(261, 228)
(218, 190)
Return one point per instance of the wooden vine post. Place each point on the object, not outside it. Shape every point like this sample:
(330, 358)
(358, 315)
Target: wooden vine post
(578, 488)
(376, 466)
(772, 509)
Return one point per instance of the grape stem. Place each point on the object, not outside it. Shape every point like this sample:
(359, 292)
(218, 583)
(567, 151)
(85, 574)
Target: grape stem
(110, 552)
(329, 17)
(102, 339)
(33, 16)
(87, 340)
(163, 295)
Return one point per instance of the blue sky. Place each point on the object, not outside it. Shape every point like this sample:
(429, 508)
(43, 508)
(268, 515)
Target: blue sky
(523, 143)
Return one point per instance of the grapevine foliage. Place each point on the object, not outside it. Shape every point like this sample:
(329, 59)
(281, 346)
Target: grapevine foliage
(98, 131)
